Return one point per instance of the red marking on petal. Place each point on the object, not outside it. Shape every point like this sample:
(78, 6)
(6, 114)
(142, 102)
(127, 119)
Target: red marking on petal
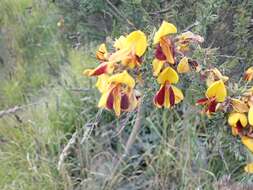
(124, 104)
(171, 96)
(159, 53)
(159, 97)
(202, 101)
(212, 106)
(110, 100)
(239, 127)
(139, 59)
(101, 69)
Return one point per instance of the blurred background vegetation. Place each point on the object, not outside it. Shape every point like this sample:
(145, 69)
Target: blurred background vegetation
(41, 66)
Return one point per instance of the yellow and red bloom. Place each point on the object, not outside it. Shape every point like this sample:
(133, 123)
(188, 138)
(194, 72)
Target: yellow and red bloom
(248, 142)
(185, 65)
(118, 95)
(165, 49)
(237, 121)
(216, 93)
(184, 40)
(103, 68)
(130, 49)
(214, 75)
(248, 75)
(168, 95)
(102, 54)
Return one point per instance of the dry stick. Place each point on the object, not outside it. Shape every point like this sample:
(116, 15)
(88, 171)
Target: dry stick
(10, 111)
(15, 109)
(130, 140)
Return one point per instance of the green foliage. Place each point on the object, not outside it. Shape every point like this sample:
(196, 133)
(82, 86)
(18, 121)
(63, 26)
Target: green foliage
(177, 149)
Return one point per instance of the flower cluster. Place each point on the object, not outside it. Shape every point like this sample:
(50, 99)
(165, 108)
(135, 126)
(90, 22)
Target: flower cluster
(171, 55)
(119, 70)
(240, 110)
(114, 82)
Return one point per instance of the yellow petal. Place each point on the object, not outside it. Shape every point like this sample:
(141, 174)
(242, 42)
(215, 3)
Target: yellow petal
(239, 106)
(157, 66)
(166, 99)
(248, 76)
(138, 41)
(102, 83)
(166, 46)
(169, 75)
(218, 74)
(248, 142)
(250, 116)
(249, 168)
(120, 43)
(178, 94)
(235, 117)
(165, 29)
(103, 100)
(120, 55)
(117, 101)
(123, 78)
(217, 90)
(102, 48)
(183, 66)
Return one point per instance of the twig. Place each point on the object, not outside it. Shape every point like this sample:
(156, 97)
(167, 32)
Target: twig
(15, 109)
(65, 151)
(130, 141)
(74, 138)
(191, 26)
(10, 111)
(161, 11)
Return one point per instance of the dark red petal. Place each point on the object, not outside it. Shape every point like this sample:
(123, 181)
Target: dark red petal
(101, 69)
(212, 106)
(159, 53)
(171, 96)
(239, 127)
(110, 99)
(125, 103)
(139, 59)
(159, 97)
(202, 101)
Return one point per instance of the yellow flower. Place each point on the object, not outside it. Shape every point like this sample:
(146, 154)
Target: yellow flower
(137, 41)
(239, 106)
(214, 75)
(248, 142)
(249, 168)
(183, 66)
(217, 90)
(248, 75)
(215, 94)
(130, 49)
(119, 94)
(157, 66)
(164, 30)
(236, 119)
(102, 83)
(168, 74)
(103, 68)
(186, 38)
(164, 46)
(250, 116)
(168, 95)
(102, 53)
(120, 43)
